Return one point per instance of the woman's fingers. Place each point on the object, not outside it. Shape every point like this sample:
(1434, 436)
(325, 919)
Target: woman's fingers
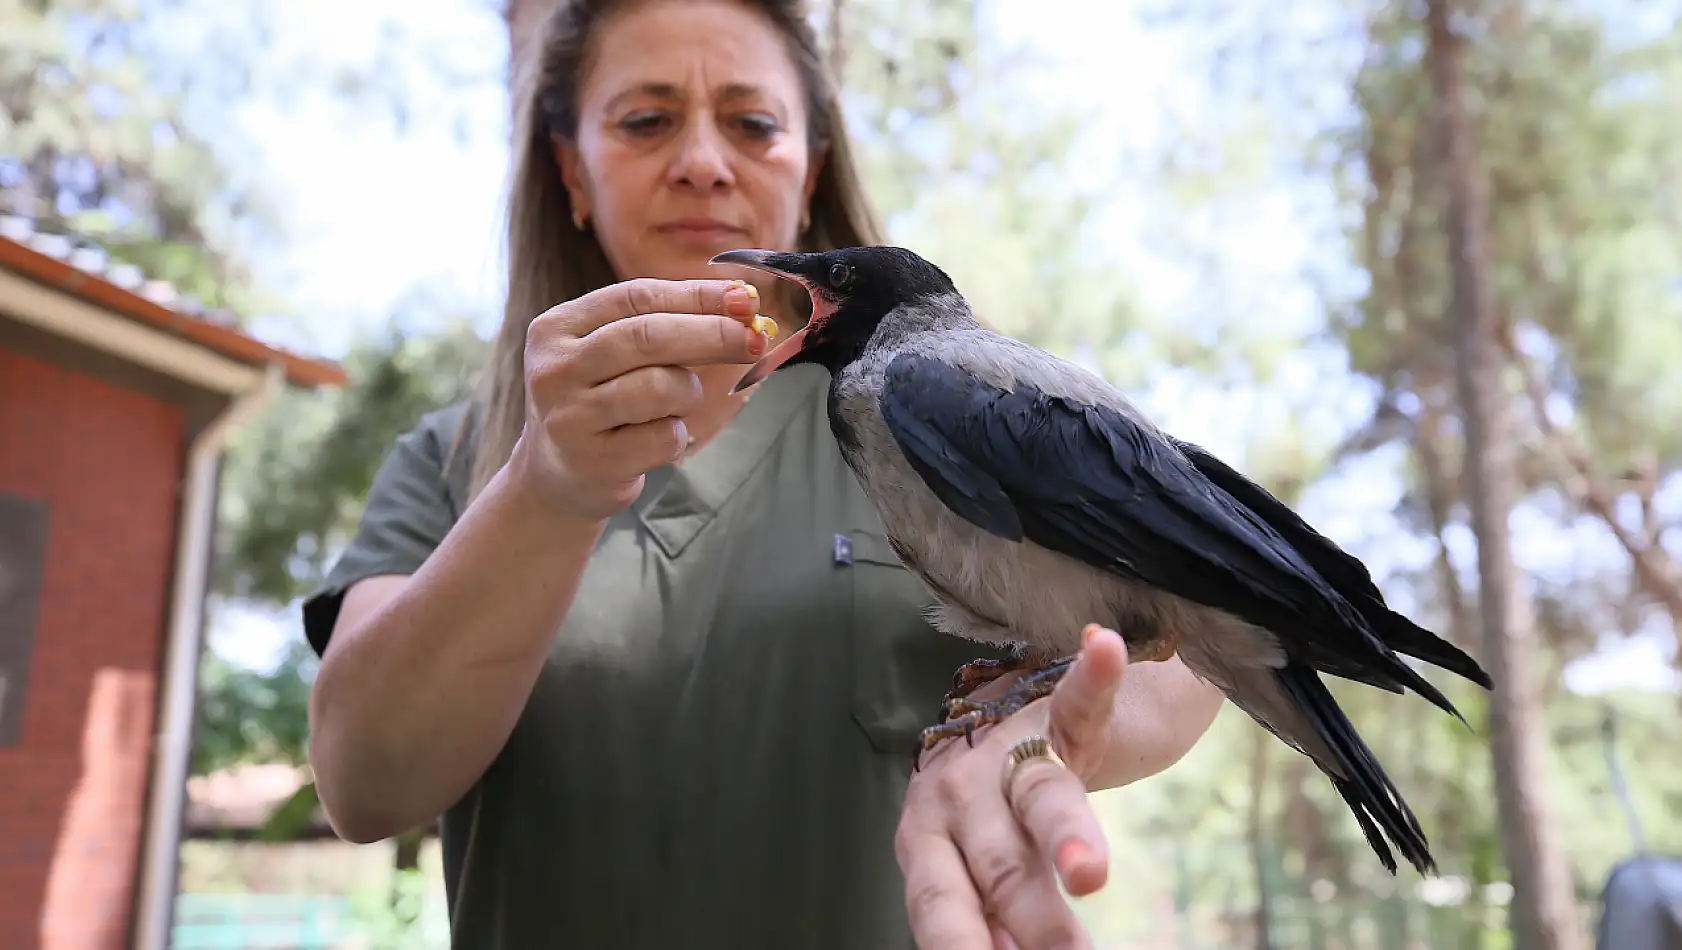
(593, 443)
(663, 339)
(632, 450)
(1045, 829)
(1014, 883)
(1010, 838)
(642, 395)
(1050, 800)
(589, 313)
(940, 900)
(608, 332)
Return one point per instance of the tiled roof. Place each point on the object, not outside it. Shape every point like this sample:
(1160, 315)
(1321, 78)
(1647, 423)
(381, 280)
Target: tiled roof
(241, 797)
(83, 269)
(236, 802)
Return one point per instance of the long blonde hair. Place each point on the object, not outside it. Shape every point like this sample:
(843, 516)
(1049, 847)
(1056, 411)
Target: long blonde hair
(551, 261)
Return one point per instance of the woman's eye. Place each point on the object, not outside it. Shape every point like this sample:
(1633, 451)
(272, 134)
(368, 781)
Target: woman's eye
(645, 123)
(758, 125)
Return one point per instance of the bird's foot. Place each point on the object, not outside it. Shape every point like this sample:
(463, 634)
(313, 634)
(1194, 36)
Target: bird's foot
(978, 673)
(962, 716)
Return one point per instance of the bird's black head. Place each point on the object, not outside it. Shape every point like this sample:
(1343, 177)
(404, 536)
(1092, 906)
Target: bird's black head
(852, 289)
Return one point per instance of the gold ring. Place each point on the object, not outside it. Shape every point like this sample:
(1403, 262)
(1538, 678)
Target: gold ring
(1023, 752)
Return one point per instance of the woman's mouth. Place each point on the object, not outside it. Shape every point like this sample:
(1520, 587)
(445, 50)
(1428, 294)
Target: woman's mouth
(699, 230)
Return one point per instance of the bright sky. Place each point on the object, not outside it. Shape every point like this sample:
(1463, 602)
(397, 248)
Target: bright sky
(375, 213)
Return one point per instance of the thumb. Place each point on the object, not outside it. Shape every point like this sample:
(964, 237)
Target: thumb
(1083, 703)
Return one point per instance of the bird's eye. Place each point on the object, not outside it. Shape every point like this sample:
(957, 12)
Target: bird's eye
(840, 275)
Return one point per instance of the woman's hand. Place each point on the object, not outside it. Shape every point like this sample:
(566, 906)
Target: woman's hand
(982, 859)
(608, 384)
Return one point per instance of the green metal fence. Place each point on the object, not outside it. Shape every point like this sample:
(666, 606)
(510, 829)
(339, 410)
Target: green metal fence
(304, 922)
(261, 922)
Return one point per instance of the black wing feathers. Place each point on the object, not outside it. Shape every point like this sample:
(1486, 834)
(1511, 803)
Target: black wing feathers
(1075, 490)
(1343, 570)
(968, 489)
(1089, 483)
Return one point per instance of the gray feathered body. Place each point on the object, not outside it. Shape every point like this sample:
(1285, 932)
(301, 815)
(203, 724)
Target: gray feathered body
(1033, 499)
(1007, 592)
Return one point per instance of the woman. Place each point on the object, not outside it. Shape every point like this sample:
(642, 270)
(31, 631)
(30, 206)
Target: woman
(642, 643)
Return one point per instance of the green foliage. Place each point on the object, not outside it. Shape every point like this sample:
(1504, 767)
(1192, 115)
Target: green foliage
(397, 921)
(971, 173)
(93, 139)
(293, 817)
(1575, 147)
(298, 475)
(248, 715)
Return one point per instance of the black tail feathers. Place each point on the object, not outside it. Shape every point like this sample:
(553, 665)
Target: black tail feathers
(1383, 815)
(1406, 637)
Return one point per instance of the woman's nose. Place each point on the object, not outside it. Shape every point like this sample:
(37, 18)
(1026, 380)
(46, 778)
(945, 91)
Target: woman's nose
(703, 160)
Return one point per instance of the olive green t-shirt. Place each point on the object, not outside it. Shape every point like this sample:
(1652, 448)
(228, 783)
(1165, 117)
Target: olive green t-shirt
(716, 751)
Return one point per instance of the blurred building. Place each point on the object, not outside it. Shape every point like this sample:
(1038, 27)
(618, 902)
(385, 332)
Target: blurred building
(116, 396)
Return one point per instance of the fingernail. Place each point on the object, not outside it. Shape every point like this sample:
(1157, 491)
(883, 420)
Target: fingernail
(682, 436)
(1086, 634)
(756, 342)
(1073, 854)
(742, 299)
(765, 325)
(1082, 870)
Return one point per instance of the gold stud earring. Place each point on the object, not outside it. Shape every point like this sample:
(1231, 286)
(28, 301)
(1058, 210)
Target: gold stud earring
(578, 221)
(805, 222)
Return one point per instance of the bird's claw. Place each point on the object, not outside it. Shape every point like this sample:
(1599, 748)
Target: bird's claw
(976, 674)
(961, 716)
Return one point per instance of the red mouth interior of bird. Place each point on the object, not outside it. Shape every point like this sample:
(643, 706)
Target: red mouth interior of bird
(822, 307)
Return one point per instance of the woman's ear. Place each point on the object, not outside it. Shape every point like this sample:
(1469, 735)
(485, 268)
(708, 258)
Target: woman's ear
(808, 188)
(813, 170)
(572, 177)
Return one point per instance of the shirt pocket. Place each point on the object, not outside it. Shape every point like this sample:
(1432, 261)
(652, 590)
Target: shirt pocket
(902, 665)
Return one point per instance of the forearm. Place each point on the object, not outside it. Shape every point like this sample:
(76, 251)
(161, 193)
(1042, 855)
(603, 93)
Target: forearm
(415, 699)
(1161, 710)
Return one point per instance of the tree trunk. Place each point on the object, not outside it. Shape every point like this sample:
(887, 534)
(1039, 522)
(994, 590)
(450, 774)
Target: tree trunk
(406, 853)
(1544, 906)
(1468, 927)
(1259, 856)
(1439, 499)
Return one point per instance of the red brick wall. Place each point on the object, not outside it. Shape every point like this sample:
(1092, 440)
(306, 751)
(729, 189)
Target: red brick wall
(108, 461)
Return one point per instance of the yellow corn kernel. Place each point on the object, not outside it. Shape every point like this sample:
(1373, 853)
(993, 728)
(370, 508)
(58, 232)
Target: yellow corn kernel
(765, 325)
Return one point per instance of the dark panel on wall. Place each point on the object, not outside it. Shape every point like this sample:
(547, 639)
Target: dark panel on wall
(23, 549)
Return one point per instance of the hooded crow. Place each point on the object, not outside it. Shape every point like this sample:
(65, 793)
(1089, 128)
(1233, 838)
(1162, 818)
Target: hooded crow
(1032, 498)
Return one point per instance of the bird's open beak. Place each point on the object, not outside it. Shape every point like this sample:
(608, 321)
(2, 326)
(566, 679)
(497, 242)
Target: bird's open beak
(769, 363)
(787, 349)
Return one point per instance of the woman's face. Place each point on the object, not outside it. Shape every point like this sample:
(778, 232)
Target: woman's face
(691, 138)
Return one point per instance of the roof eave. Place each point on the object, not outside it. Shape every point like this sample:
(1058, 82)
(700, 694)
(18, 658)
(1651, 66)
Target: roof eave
(21, 266)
